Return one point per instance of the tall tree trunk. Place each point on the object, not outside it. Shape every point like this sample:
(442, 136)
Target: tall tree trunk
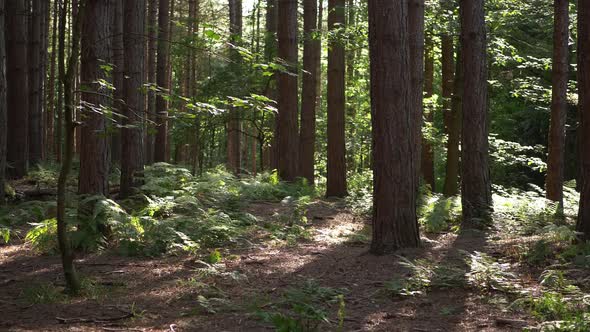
(556, 158)
(35, 85)
(451, 186)
(94, 165)
(311, 57)
(17, 96)
(44, 53)
(63, 17)
(427, 160)
(288, 131)
(447, 64)
(336, 166)
(395, 224)
(416, 32)
(162, 79)
(270, 52)
(583, 224)
(350, 81)
(476, 185)
(132, 134)
(66, 80)
(49, 129)
(3, 109)
(118, 54)
(152, 49)
(234, 125)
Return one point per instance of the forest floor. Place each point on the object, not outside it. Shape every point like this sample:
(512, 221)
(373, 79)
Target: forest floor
(163, 294)
(472, 280)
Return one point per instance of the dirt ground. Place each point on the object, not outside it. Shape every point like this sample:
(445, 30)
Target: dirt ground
(162, 294)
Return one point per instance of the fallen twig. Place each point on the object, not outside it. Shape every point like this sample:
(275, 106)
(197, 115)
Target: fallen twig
(92, 320)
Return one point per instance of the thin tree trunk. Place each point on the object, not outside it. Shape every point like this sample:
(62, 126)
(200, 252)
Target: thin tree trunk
(288, 131)
(35, 84)
(476, 184)
(395, 223)
(162, 80)
(416, 32)
(152, 49)
(50, 130)
(336, 165)
(94, 165)
(3, 108)
(132, 134)
(118, 76)
(427, 160)
(583, 224)
(17, 97)
(234, 125)
(451, 186)
(556, 158)
(61, 72)
(66, 79)
(270, 52)
(447, 78)
(311, 57)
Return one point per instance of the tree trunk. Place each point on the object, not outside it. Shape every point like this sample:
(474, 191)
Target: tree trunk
(66, 80)
(447, 78)
(476, 185)
(270, 52)
(3, 109)
(234, 125)
(162, 79)
(118, 54)
(395, 223)
(94, 165)
(336, 165)
(132, 134)
(17, 96)
(556, 158)
(35, 85)
(416, 33)
(427, 160)
(63, 17)
(583, 224)
(50, 130)
(288, 131)
(152, 49)
(311, 57)
(451, 186)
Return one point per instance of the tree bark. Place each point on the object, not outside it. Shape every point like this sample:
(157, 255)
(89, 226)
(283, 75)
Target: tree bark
(94, 165)
(234, 127)
(35, 85)
(427, 160)
(583, 224)
(50, 115)
(451, 186)
(118, 54)
(162, 79)
(476, 185)
(3, 108)
(311, 57)
(17, 95)
(152, 49)
(395, 223)
(288, 131)
(270, 52)
(66, 80)
(336, 165)
(556, 157)
(416, 33)
(132, 134)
